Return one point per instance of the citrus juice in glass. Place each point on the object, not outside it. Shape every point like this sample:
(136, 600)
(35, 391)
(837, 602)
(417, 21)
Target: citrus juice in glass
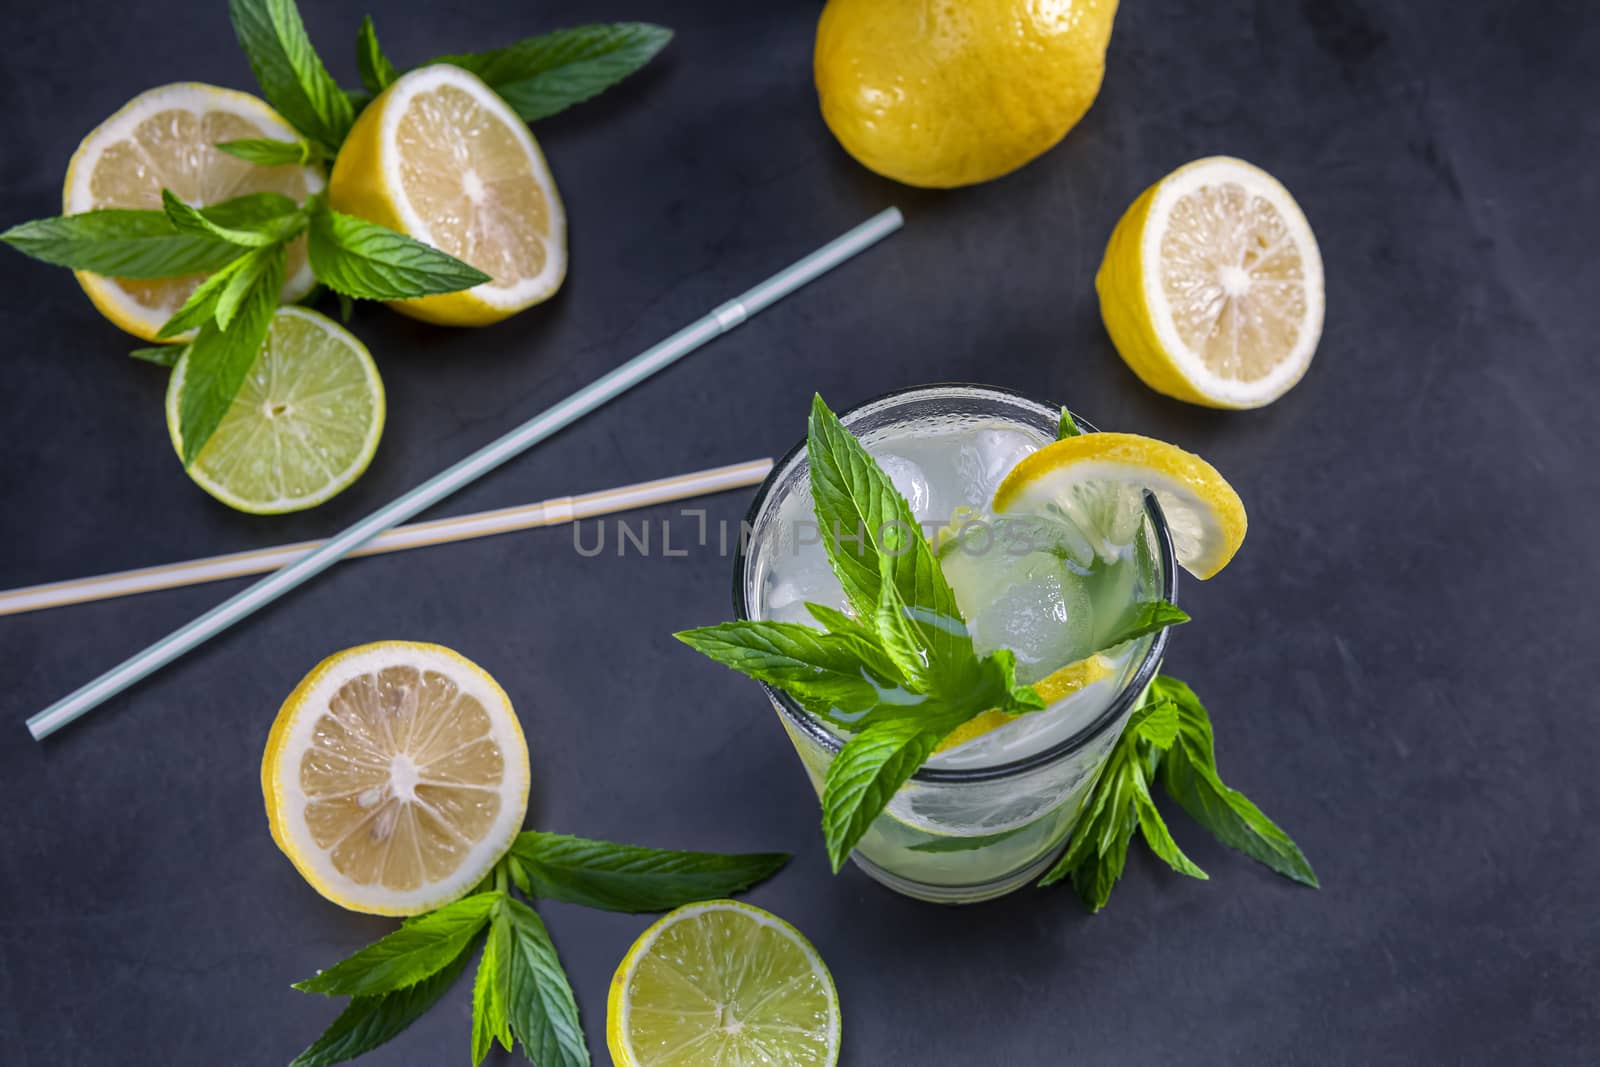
(993, 806)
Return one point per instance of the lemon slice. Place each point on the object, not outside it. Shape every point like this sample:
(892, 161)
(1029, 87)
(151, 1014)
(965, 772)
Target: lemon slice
(441, 158)
(1052, 688)
(1211, 286)
(395, 777)
(302, 428)
(1205, 515)
(722, 983)
(164, 138)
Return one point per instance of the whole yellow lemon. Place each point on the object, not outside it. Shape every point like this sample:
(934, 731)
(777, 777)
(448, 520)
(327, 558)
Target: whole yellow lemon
(941, 93)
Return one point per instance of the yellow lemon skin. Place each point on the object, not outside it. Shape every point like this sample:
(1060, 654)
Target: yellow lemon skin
(943, 93)
(1125, 309)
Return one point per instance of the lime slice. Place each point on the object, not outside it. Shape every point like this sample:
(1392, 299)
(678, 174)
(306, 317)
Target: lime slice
(302, 428)
(722, 983)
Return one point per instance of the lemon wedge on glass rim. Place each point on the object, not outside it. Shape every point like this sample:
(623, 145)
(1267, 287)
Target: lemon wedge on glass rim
(441, 158)
(1211, 286)
(165, 138)
(1098, 478)
(395, 777)
(721, 982)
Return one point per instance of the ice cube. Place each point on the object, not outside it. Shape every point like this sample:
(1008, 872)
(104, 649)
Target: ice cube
(1035, 605)
(912, 483)
(985, 461)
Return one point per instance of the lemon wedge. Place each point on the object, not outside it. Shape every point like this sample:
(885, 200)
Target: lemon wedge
(722, 983)
(441, 158)
(1076, 477)
(165, 138)
(395, 777)
(1211, 286)
(1052, 689)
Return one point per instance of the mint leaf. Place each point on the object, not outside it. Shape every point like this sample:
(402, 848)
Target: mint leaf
(1067, 426)
(1155, 721)
(1154, 828)
(253, 270)
(267, 152)
(1189, 775)
(362, 259)
(370, 1021)
(201, 307)
(423, 946)
(867, 772)
(160, 355)
(218, 362)
(1147, 618)
(825, 672)
(837, 622)
(543, 75)
(968, 844)
(291, 74)
(268, 217)
(542, 1009)
(853, 496)
(491, 991)
(377, 73)
(119, 244)
(630, 878)
(1097, 876)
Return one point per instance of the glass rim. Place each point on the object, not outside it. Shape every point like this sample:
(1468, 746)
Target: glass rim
(812, 725)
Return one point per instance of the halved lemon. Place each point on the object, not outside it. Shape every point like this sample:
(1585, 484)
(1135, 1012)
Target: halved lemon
(722, 983)
(1089, 479)
(1211, 286)
(164, 138)
(302, 428)
(395, 777)
(441, 158)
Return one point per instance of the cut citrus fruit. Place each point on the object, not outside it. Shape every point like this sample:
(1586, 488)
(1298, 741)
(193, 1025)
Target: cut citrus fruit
(441, 158)
(1211, 286)
(302, 428)
(1051, 689)
(722, 983)
(165, 138)
(395, 777)
(1090, 478)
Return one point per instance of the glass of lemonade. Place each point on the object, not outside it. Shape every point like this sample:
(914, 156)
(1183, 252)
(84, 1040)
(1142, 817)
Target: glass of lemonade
(992, 811)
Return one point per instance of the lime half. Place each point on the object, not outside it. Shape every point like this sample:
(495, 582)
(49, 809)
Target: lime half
(722, 983)
(303, 426)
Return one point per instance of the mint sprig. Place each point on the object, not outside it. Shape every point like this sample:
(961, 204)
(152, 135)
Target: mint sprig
(120, 244)
(291, 74)
(1169, 735)
(520, 990)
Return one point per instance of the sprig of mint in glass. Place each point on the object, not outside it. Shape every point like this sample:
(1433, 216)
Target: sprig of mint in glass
(520, 990)
(241, 242)
(901, 674)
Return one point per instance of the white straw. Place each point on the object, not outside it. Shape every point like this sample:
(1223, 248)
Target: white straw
(519, 440)
(553, 512)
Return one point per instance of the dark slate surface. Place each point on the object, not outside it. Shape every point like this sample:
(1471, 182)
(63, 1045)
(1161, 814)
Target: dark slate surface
(1399, 661)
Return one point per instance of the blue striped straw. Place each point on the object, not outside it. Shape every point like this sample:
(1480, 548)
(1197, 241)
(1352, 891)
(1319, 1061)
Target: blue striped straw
(481, 462)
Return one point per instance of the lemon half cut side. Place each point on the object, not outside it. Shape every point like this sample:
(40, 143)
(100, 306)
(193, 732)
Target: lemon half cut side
(166, 138)
(395, 777)
(1212, 286)
(441, 158)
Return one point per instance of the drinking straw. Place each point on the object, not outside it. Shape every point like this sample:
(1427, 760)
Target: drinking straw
(661, 355)
(554, 512)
